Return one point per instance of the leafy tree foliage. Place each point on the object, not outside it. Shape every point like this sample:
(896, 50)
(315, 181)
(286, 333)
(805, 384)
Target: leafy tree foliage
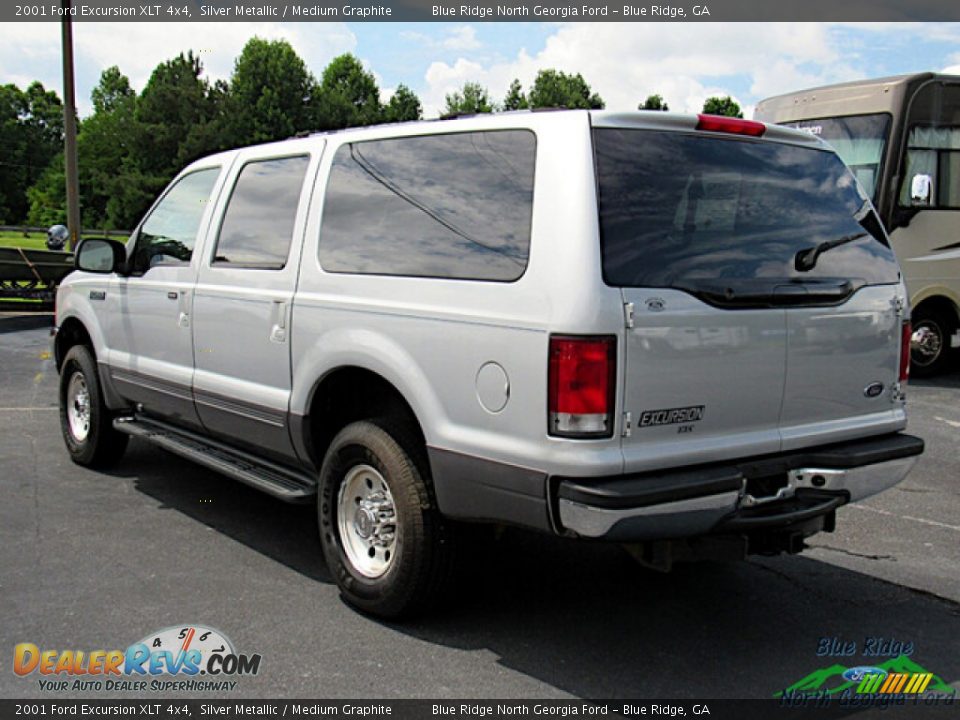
(722, 106)
(270, 93)
(553, 88)
(404, 105)
(471, 99)
(348, 96)
(132, 145)
(654, 102)
(112, 91)
(515, 99)
(31, 132)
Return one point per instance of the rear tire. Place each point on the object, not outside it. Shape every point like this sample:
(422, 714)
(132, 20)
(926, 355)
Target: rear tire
(383, 537)
(930, 351)
(85, 421)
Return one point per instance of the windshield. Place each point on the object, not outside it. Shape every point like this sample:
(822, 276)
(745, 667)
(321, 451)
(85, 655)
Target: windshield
(686, 211)
(859, 141)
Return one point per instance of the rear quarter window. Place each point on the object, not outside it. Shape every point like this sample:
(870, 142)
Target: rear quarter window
(448, 206)
(678, 210)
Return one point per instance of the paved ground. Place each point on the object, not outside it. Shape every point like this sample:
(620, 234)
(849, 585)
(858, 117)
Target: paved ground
(91, 560)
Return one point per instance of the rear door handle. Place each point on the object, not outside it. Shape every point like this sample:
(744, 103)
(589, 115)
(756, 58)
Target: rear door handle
(183, 319)
(278, 333)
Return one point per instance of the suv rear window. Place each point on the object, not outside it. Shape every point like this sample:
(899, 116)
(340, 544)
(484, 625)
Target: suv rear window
(688, 211)
(449, 206)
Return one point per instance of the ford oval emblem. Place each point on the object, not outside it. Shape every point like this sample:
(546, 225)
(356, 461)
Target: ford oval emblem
(855, 674)
(873, 389)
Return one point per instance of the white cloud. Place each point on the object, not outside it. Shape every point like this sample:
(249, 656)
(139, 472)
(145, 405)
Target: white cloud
(953, 68)
(463, 37)
(684, 62)
(460, 38)
(32, 50)
(138, 47)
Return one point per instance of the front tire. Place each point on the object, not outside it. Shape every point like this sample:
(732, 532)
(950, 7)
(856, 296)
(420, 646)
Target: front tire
(382, 535)
(930, 342)
(85, 421)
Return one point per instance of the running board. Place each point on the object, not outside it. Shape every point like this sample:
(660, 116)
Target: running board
(272, 479)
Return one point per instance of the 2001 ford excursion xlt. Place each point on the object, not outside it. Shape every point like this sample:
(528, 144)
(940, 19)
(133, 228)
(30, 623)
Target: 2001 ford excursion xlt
(673, 332)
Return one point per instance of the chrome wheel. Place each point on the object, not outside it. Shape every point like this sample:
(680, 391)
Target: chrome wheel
(78, 407)
(926, 343)
(367, 521)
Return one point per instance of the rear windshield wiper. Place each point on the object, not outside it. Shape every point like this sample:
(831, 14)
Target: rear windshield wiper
(805, 260)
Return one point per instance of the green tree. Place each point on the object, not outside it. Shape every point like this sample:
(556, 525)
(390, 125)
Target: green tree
(31, 134)
(270, 93)
(553, 88)
(722, 106)
(404, 105)
(47, 196)
(107, 146)
(515, 99)
(348, 96)
(471, 99)
(175, 99)
(654, 102)
(112, 91)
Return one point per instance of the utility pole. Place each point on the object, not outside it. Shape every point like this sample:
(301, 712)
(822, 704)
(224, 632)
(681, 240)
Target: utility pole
(70, 130)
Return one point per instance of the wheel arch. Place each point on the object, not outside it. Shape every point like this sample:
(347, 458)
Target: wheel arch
(346, 394)
(937, 302)
(72, 331)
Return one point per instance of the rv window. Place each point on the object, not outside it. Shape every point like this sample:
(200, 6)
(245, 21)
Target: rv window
(859, 140)
(933, 152)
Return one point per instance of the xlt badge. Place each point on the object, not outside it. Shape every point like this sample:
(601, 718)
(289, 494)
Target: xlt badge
(671, 416)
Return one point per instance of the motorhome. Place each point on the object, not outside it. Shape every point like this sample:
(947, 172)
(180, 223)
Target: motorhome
(901, 138)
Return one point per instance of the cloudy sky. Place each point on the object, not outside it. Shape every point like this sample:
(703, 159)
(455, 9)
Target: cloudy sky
(624, 62)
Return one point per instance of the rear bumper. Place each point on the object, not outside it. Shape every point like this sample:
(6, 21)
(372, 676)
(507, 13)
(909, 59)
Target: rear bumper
(777, 492)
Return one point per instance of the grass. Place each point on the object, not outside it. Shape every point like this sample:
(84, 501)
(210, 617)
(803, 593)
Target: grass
(33, 241)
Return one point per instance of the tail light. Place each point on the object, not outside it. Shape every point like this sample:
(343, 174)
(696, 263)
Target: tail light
(737, 126)
(906, 335)
(582, 379)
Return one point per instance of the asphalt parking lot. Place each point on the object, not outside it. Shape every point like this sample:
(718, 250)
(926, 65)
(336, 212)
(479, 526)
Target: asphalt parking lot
(99, 560)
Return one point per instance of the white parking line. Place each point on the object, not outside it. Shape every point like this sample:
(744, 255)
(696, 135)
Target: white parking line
(934, 523)
(951, 423)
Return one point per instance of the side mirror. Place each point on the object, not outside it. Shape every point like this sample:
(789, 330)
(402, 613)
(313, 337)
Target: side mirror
(921, 189)
(100, 255)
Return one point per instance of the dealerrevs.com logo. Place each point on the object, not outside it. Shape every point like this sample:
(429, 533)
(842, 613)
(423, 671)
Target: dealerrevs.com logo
(179, 658)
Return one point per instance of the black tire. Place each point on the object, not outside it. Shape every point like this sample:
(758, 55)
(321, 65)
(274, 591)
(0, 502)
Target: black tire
(422, 555)
(935, 328)
(101, 446)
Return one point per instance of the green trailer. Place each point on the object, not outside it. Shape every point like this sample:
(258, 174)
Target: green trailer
(32, 275)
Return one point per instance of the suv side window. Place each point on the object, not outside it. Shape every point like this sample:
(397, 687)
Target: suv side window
(257, 227)
(168, 235)
(450, 206)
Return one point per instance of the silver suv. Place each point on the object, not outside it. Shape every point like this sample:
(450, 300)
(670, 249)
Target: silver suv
(687, 334)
